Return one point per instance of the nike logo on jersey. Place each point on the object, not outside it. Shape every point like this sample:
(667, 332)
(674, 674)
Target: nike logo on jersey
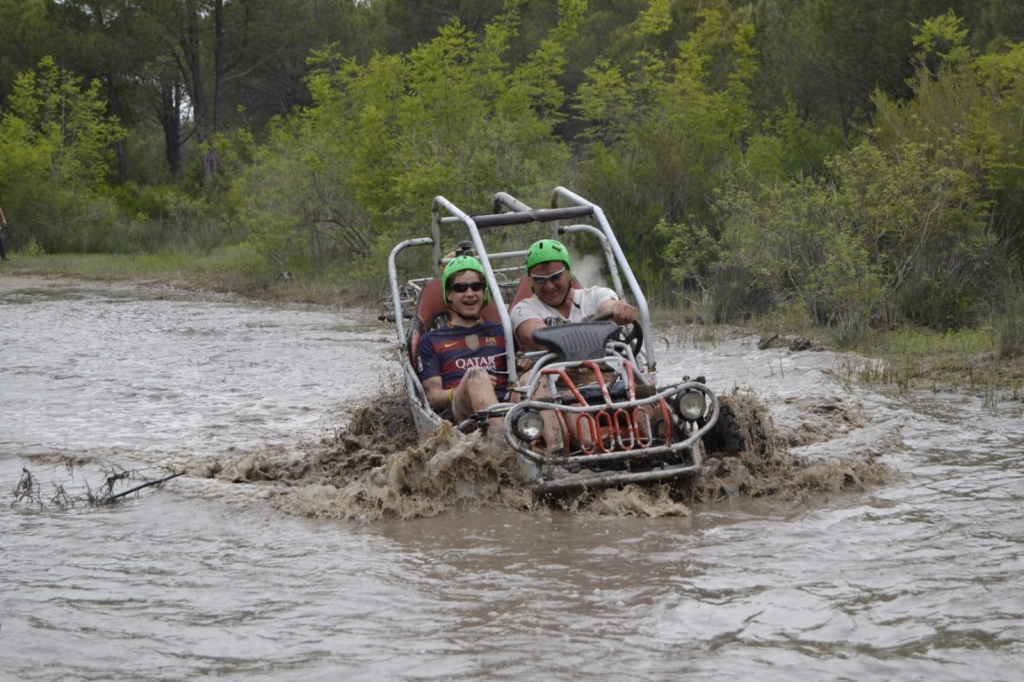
(451, 345)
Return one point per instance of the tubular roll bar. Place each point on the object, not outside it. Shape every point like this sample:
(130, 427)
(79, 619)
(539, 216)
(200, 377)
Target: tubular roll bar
(542, 215)
(520, 214)
(436, 205)
(609, 255)
(393, 276)
(644, 318)
(508, 201)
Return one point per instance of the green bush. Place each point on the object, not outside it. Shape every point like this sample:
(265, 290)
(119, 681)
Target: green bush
(891, 236)
(665, 127)
(56, 142)
(384, 138)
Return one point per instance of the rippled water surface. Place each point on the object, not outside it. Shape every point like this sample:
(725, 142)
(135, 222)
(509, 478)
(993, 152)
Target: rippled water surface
(919, 579)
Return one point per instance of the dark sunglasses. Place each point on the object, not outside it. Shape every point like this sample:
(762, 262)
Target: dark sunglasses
(553, 277)
(461, 287)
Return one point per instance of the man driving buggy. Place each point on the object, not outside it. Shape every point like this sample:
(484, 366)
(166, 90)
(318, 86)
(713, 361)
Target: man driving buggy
(554, 299)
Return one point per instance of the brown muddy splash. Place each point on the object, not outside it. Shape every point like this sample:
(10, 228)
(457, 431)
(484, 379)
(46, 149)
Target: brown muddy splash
(375, 468)
(446, 471)
(764, 463)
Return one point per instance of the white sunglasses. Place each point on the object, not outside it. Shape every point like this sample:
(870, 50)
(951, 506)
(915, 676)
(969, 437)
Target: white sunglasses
(553, 277)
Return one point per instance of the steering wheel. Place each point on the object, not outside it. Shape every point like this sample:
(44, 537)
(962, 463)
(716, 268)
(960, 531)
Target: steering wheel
(634, 338)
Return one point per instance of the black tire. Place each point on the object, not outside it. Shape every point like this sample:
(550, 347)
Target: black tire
(741, 429)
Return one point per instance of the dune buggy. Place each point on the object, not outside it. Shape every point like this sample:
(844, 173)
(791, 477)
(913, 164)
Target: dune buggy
(601, 380)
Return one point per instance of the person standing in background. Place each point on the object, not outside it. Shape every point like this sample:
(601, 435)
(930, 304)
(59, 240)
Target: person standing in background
(3, 221)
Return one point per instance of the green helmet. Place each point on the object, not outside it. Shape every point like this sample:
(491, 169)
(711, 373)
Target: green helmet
(547, 250)
(457, 265)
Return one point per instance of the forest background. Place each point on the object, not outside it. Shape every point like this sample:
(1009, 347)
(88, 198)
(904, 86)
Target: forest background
(855, 165)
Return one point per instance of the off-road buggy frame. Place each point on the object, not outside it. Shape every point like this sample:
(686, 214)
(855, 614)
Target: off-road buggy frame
(639, 430)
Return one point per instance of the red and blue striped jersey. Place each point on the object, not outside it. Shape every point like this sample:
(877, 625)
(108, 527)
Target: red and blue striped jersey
(450, 351)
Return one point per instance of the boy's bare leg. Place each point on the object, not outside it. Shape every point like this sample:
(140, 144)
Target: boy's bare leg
(476, 393)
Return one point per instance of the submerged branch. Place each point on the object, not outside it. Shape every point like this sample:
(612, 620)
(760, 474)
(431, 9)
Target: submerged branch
(29, 490)
(144, 485)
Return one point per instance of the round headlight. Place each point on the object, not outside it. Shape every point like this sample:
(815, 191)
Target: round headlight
(528, 425)
(691, 405)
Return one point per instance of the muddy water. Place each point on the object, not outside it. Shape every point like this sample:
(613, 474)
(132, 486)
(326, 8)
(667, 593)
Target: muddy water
(914, 578)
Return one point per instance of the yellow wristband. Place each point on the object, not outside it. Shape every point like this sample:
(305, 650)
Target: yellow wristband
(451, 395)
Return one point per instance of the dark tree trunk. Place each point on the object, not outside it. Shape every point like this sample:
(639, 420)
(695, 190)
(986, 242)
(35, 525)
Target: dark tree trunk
(197, 93)
(170, 120)
(218, 66)
(120, 148)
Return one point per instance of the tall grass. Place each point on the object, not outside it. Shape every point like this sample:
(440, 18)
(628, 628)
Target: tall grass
(1009, 325)
(967, 360)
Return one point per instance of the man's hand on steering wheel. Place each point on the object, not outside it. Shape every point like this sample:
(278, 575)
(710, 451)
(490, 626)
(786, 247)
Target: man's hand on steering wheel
(620, 311)
(624, 314)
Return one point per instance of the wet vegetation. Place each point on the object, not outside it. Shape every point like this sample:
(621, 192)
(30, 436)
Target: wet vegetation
(74, 485)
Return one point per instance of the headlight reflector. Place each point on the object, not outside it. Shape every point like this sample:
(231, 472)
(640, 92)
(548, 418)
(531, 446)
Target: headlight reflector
(691, 405)
(528, 425)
